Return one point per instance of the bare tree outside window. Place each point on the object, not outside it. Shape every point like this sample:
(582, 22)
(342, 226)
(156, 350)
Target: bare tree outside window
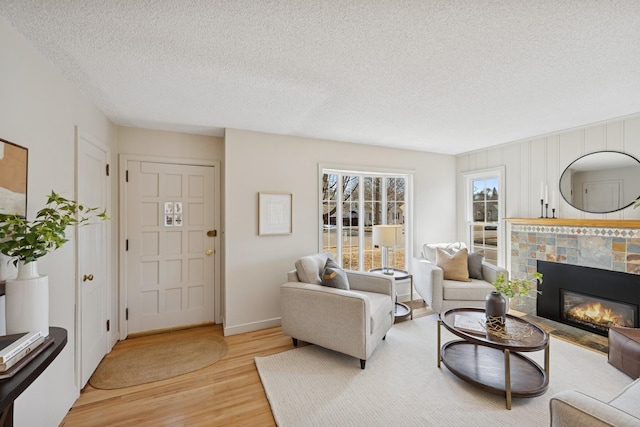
(367, 200)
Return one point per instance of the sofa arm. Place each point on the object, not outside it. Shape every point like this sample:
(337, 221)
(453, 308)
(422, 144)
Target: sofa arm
(372, 282)
(292, 276)
(329, 317)
(490, 272)
(429, 285)
(572, 408)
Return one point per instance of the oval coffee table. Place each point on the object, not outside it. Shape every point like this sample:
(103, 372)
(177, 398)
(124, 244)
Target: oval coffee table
(493, 361)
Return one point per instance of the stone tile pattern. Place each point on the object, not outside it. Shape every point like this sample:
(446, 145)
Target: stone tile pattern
(616, 249)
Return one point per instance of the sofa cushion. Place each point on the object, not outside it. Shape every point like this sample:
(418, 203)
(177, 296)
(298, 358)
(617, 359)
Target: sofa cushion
(429, 249)
(309, 268)
(381, 308)
(628, 399)
(474, 262)
(453, 266)
(334, 276)
(475, 290)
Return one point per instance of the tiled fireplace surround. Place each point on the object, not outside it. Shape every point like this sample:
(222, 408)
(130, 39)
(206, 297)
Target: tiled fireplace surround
(609, 245)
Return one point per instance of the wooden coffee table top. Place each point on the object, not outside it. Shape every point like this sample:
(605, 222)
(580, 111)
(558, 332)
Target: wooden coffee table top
(520, 335)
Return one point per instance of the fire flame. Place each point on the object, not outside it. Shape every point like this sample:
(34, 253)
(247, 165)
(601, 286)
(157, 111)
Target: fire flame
(596, 313)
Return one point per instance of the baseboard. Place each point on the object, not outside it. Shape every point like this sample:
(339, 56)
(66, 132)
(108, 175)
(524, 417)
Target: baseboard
(250, 327)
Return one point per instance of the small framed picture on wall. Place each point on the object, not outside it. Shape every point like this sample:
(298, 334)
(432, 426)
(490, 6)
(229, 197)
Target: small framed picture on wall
(275, 213)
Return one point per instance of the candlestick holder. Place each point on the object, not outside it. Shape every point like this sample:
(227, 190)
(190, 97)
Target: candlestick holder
(553, 212)
(546, 210)
(541, 208)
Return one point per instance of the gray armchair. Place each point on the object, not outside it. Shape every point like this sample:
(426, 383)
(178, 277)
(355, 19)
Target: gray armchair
(351, 321)
(441, 294)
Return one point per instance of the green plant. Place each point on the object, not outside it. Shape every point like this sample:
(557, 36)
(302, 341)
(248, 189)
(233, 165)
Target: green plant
(29, 240)
(515, 287)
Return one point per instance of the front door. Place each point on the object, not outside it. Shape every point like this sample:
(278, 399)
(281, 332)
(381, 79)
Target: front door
(170, 232)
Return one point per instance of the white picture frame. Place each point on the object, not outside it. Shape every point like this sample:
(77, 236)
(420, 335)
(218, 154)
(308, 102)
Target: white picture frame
(275, 211)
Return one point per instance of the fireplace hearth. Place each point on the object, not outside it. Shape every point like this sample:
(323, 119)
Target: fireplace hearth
(588, 298)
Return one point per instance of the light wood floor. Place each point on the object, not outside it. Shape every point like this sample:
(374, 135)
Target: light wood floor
(227, 393)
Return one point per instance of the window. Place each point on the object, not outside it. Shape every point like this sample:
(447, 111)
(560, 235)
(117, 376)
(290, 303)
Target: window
(485, 198)
(352, 203)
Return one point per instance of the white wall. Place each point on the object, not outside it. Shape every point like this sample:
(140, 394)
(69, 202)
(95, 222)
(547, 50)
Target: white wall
(38, 110)
(543, 159)
(257, 162)
(169, 144)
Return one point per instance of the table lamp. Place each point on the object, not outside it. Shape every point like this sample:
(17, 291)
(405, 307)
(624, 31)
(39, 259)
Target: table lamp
(386, 236)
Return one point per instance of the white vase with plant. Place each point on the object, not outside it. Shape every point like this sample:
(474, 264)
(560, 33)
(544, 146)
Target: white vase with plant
(27, 296)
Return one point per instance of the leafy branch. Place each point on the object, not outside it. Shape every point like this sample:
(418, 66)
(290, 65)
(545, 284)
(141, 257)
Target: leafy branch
(29, 240)
(515, 287)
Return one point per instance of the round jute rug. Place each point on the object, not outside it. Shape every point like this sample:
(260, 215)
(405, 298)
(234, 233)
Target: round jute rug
(158, 361)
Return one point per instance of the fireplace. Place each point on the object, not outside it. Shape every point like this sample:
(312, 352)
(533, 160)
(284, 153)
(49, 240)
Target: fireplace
(588, 298)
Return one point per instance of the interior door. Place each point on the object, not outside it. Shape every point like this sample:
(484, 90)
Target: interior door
(602, 196)
(93, 259)
(170, 235)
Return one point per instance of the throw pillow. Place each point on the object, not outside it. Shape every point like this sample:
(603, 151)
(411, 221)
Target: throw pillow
(429, 249)
(475, 265)
(455, 267)
(334, 276)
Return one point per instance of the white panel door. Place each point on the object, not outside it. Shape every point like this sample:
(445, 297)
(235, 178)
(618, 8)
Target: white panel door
(602, 196)
(169, 261)
(92, 258)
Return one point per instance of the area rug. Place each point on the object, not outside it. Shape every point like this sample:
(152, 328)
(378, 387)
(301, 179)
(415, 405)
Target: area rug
(157, 361)
(402, 385)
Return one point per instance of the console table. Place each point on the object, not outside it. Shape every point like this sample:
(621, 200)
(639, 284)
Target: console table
(11, 388)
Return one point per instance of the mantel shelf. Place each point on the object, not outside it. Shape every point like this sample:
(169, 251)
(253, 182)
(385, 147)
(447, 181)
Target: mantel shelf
(577, 222)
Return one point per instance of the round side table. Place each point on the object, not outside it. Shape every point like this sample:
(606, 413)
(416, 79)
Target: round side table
(401, 310)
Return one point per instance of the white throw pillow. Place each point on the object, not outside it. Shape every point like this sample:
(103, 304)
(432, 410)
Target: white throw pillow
(429, 249)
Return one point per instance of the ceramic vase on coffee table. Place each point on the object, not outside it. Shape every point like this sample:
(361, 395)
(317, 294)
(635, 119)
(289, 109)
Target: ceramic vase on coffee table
(495, 308)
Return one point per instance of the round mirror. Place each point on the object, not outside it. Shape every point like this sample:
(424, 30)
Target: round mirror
(601, 182)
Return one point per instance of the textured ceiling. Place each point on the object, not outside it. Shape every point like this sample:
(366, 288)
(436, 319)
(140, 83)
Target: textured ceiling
(446, 76)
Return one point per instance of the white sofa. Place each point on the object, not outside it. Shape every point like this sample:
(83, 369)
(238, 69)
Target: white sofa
(571, 408)
(441, 294)
(350, 321)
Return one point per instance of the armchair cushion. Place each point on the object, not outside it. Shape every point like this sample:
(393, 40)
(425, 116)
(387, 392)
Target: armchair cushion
(334, 276)
(476, 290)
(475, 265)
(455, 267)
(429, 249)
(309, 268)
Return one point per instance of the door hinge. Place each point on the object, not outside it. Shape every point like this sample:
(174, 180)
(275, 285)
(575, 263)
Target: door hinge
(107, 169)
(126, 176)
(108, 325)
(126, 313)
(126, 245)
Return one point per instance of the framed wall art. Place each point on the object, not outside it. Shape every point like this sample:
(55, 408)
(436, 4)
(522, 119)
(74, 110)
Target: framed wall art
(275, 211)
(14, 161)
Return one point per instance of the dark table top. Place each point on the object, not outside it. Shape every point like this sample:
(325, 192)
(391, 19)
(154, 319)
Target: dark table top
(11, 388)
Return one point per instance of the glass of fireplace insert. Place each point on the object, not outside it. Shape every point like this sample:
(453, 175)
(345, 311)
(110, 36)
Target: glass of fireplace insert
(595, 313)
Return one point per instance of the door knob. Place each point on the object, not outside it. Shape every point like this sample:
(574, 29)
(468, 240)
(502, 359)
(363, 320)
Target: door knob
(87, 277)
(209, 251)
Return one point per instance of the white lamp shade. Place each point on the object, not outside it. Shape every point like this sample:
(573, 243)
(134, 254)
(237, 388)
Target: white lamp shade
(387, 235)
